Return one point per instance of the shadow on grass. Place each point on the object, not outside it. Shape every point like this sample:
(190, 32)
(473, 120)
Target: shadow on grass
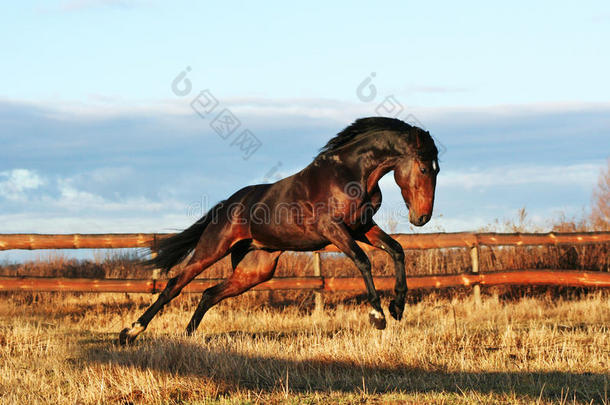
(234, 370)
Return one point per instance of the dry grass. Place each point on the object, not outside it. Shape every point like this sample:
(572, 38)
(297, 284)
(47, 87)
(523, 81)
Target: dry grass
(58, 348)
(267, 347)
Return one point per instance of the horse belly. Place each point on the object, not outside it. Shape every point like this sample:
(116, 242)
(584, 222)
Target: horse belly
(294, 243)
(286, 237)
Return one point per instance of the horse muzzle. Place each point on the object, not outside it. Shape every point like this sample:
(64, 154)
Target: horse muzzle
(419, 220)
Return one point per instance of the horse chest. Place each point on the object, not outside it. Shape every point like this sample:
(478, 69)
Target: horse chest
(365, 211)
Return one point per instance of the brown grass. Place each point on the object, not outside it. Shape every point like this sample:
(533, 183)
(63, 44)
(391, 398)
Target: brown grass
(524, 345)
(59, 348)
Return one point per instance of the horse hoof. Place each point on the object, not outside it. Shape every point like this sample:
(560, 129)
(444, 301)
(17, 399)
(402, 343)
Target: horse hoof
(125, 338)
(396, 310)
(377, 319)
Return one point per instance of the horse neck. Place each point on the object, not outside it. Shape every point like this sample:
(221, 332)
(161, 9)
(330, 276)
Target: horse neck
(371, 162)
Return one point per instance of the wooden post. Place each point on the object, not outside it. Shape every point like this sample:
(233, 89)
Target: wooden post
(319, 299)
(155, 272)
(476, 288)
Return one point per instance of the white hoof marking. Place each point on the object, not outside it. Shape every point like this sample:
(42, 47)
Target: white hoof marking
(135, 330)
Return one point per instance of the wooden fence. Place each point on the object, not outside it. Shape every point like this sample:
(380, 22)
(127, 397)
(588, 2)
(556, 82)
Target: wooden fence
(408, 241)
(318, 283)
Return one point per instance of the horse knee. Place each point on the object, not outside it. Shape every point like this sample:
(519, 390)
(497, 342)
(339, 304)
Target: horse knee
(398, 256)
(396, 252)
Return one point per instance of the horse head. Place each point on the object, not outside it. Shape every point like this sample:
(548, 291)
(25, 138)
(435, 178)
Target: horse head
(415, 173)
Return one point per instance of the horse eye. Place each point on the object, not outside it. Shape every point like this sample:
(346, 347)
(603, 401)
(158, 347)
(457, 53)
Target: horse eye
(423, 170)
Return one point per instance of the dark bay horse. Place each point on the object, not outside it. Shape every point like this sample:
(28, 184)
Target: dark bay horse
(331, 201)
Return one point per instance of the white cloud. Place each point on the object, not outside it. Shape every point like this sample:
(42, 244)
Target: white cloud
(434, 89)
(75, 5)
(584, 175)
(62, 207)
(100, 106)
(14, 183)
(108, 175)
(61, 195)
(110, 193)
(71, 198)
(578, 174)
(40, 222)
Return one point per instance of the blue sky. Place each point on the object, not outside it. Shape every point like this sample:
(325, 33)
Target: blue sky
(94, 139)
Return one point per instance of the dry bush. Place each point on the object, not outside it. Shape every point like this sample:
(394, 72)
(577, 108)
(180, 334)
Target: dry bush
(118, 263)
(600, 214)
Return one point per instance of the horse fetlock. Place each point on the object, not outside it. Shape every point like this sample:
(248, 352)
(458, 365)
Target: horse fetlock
(396, 309)
(377, 319)
(128, 335)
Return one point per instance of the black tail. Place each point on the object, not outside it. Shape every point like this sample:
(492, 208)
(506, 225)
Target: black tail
(173, 250)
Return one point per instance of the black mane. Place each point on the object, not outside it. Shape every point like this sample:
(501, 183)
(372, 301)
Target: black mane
(364, 126)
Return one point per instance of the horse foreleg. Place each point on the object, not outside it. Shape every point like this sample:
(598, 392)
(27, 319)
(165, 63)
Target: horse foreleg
(257, 266)
(339, 235)
(375, 236)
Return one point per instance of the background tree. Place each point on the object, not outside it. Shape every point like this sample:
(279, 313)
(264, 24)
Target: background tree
(600, 212)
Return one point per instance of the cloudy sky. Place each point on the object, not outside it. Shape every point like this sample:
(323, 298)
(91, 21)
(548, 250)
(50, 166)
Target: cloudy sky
(98, 132)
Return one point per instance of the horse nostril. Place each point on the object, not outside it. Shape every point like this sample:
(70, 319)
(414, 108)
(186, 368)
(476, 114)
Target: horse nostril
(423, 219)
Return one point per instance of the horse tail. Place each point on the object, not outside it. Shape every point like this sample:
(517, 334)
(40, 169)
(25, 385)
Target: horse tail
(174, 249)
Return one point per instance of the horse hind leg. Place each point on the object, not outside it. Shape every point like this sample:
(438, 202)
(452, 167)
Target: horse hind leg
(213, 246)
(256, 267)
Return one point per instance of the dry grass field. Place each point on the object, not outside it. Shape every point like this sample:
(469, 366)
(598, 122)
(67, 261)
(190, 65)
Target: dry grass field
(57, 348)
(522, 346)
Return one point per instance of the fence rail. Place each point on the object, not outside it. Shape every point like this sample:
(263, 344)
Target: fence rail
(317, 283)
(321, 284)
(408, 241)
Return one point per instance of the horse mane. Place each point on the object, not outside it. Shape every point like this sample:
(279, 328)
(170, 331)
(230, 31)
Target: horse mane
(426, 150)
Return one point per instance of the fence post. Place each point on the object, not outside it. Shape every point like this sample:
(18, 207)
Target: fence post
(318, 298)
(476, 288)
(156, 272)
